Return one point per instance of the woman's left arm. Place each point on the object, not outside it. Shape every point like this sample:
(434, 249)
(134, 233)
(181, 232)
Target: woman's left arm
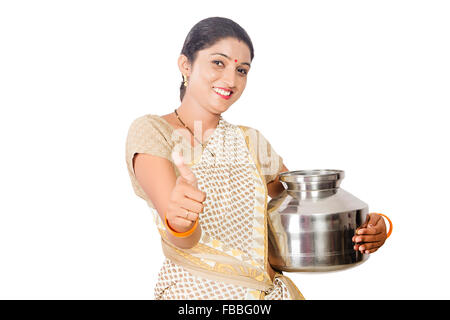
(368, 239)
(275, 188)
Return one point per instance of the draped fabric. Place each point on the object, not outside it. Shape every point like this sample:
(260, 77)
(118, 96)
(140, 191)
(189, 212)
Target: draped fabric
(231, 259)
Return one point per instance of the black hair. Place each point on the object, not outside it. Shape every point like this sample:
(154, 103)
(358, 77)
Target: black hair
(206, 33)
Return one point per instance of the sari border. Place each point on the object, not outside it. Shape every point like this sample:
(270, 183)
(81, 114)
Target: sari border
(244, 129)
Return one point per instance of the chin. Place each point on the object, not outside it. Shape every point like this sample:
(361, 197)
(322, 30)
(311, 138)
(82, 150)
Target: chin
(221, 109)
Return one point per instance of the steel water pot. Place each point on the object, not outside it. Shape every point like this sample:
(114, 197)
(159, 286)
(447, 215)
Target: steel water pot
(312, 222)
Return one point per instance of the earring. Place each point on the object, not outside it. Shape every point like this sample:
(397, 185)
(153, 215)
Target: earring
(185, 80)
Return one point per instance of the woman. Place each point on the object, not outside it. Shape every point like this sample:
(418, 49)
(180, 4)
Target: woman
(210, 205)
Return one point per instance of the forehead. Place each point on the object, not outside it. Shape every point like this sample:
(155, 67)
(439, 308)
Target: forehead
(232, 47)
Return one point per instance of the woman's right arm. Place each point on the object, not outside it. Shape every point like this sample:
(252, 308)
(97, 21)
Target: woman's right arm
(170, 195)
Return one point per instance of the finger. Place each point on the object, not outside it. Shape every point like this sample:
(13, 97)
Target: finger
(369, 238)
(194, 193)
(370, 245)
(371, 220)
(357, 247)
(369, 230)
(192, 216)
(186, 214)
(371, 250)
(181, 224)
(191, 205)
(176, 220)
(184, 170)
(364, 224)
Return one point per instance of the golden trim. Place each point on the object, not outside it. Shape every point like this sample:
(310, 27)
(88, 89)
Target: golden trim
(262, 295)
(294, 292)
(234, 273)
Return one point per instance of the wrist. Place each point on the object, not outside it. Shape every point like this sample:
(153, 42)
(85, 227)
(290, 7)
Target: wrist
(180, 234)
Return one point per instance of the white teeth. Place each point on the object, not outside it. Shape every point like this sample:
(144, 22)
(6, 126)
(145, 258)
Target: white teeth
(222, 92)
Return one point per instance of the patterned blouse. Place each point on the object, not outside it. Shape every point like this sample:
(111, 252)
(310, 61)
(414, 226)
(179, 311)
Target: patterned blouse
(231, 259)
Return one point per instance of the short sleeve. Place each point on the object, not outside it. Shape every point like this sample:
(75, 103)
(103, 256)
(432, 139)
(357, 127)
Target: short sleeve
(270, 161)
(146, 135)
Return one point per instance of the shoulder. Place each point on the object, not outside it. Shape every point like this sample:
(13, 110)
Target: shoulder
(148, 129)
(149, 120)
(248, 130)
(252, 133)
(150, 123)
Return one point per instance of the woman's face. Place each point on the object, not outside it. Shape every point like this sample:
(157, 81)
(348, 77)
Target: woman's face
(224, 65)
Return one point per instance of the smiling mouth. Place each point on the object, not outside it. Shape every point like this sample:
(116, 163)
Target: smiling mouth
(223, 93)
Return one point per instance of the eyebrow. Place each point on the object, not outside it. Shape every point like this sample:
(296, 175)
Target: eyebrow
(222, 54)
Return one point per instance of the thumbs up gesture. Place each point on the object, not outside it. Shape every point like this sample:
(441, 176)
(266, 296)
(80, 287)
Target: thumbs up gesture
(186, 201)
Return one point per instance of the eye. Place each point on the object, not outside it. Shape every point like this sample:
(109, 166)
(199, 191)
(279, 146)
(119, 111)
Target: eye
(214, 61)
(245, 71)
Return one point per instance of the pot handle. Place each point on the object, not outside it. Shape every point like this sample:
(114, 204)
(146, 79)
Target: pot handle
(390, 223)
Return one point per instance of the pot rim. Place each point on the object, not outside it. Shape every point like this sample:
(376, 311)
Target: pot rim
(312, 175)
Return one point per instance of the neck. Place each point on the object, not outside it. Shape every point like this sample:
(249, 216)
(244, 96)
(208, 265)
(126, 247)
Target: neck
(196, 117)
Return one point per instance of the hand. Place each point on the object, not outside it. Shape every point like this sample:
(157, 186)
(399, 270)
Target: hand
(185, 197)
(371, 235)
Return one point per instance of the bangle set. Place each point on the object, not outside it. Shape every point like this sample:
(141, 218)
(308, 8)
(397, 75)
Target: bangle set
(180, 234)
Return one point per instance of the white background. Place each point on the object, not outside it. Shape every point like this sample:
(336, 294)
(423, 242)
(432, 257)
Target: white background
(361, 86)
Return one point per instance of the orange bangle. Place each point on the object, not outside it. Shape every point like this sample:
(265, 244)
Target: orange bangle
(181, 234)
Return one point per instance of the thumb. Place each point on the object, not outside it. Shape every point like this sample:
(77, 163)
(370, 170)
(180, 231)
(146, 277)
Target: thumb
(363, 225)
(184, 170)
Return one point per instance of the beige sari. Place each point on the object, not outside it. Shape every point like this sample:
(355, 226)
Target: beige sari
(231, 259)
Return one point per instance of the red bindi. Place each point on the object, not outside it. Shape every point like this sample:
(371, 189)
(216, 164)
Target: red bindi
(235, 60)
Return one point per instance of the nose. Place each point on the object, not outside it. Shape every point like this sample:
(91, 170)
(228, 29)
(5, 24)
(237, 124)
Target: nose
(229, 78)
